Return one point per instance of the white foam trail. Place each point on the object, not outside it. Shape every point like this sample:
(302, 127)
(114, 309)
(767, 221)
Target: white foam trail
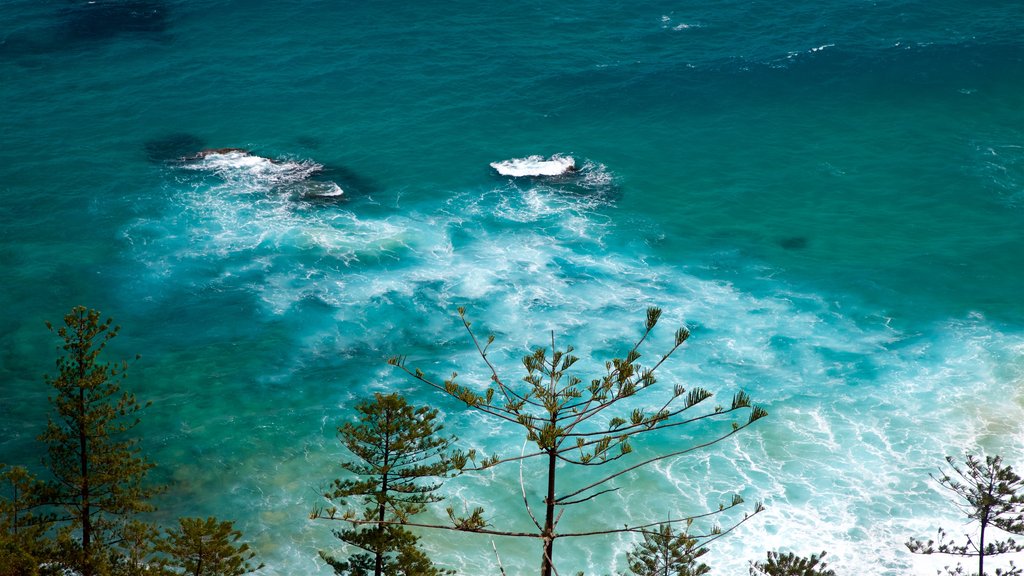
(861, 412)
(245, 167)
(595, 176)
(535, 166)
(1001, 162)
(248, 173)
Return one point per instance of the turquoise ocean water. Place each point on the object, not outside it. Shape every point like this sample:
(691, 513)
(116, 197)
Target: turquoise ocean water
(830, 194)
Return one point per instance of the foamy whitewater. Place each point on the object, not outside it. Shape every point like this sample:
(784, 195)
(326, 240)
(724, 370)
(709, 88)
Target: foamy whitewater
(535, 166)
(273, 198)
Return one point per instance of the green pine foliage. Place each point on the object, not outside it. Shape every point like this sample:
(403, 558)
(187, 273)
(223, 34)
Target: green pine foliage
(83, 520)
(989, 493)
(572, 422)
(205, 547)
(400, 554)
(399, 461)
(791, 565)
(667, 553)
(98, 472)
(133, 553)
(23, 546)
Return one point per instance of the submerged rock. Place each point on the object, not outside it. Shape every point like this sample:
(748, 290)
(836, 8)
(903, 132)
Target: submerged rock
(793, 243)
(104, 19)
(240, 168)
(172, 147)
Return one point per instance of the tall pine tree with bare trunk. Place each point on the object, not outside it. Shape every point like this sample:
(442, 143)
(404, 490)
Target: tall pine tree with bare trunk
(572, 423)
(98, 482)
(991, 494)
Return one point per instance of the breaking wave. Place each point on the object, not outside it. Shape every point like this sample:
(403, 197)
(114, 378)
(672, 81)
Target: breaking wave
(246, 172)
(556, 165)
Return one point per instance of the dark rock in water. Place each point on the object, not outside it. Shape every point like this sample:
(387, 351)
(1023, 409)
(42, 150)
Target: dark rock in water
(316, 192)
(560, 174)
(793, 243)
(310, 142)
(104, 19)
(350, 181)
(173, 147)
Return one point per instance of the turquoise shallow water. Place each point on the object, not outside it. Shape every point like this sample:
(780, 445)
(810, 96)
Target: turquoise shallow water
(830, 198)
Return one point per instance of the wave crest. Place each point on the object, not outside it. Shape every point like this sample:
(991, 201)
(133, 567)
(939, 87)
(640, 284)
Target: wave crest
(251, 173)
(556, 165)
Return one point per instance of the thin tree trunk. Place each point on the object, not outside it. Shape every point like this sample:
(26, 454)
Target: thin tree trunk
(199, 560)
(378, 565)
(87, 567)
(987, 506)
(981, 550)
(549, 519)
(667, 557)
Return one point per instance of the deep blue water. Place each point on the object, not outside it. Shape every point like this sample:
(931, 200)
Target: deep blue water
(831, 196)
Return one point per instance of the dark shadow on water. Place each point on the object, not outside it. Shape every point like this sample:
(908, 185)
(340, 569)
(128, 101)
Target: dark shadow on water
(353, 183)
(310, 142)
(72, 25)
(172, 147)
(793, 243)
(105, 19)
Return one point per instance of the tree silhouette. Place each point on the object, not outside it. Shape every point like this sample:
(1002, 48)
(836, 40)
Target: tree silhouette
(573, 422)
(990, 494)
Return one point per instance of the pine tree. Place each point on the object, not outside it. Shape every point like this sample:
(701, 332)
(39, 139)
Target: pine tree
(397, 449)
(791, 565)
(667, 553)
(400, 554)
(133, 553)
(990, 494)
(23, 546)
(98, 472)
(205, 547)
(573, 422)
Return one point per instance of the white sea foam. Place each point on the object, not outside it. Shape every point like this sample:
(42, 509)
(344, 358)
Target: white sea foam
(860, 411)
(237, 165)
(793, 54)
(248, 173)
(1002, 164)
(535, 166)
(316, 189)
(595, 176)
(666, 22)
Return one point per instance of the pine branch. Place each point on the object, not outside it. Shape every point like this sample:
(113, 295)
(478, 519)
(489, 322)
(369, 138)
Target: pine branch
(507, 392)
(654, 459)
(522, 486)
(450, 528)
(591, 497)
